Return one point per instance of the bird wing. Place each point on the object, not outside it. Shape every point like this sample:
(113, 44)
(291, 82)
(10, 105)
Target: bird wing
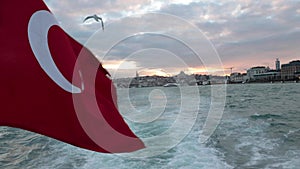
(97, 18)
(102, 23)
(89, 17)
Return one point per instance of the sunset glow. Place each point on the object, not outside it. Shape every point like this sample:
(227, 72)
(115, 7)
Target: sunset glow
(244, 33)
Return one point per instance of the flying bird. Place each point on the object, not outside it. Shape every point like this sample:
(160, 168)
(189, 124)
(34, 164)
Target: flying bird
(96, 18)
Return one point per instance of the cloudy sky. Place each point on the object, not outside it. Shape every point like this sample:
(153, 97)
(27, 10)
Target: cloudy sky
(244, 33)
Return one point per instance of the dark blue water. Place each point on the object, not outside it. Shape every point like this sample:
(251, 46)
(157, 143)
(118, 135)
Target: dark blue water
(260, 128)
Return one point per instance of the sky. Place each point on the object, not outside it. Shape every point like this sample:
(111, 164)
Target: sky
(163, 37)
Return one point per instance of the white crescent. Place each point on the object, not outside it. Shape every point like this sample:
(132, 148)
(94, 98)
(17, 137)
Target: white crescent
(38, 27)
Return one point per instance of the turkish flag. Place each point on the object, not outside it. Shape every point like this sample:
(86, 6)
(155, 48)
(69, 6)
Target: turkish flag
(52, 85)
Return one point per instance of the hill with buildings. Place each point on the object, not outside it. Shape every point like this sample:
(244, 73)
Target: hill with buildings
(257, 74)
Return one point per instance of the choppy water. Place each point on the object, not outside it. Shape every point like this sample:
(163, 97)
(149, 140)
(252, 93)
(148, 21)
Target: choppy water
(260, 129)
(261, 126)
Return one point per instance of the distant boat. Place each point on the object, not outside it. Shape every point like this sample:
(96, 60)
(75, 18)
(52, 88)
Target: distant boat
(171, 85)
(206, 83)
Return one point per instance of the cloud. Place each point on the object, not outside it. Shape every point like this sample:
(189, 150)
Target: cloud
(162, 47)
(244, 32)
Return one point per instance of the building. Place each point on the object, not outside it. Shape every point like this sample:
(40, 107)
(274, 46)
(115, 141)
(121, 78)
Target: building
(297, 75)
(290, 71)
(277, 64)
(253, 72)
(270, 76)
(184, 79)
(201, 79)
(263, 74)
(236, 77)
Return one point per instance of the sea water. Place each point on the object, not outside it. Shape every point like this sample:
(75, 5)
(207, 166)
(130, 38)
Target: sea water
(260, 128)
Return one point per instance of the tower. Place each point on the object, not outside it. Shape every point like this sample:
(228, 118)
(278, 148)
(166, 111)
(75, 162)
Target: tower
(277, 64)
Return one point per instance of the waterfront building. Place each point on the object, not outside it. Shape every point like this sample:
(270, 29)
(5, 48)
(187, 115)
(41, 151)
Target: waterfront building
(236, 77)
(245, 77)
(201, 79)
(297, 75)
(217, 80)
(184, 79)
(270, 76)
(277, 64)
(289, 71)
(253, 72)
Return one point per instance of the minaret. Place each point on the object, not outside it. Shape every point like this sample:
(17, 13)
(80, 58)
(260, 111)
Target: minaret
(137, 74)
(277, 64)
(137, 77)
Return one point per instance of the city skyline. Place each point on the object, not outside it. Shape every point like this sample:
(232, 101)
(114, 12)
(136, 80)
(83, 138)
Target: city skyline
(162, 72)
(243, 32)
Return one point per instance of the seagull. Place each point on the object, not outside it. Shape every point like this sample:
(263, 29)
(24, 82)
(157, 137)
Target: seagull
(96, 17)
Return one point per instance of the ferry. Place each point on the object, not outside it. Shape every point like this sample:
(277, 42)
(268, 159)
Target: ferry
(171, 85)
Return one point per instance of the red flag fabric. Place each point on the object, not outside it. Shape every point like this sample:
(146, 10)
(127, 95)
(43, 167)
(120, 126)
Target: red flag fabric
(52, 85)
